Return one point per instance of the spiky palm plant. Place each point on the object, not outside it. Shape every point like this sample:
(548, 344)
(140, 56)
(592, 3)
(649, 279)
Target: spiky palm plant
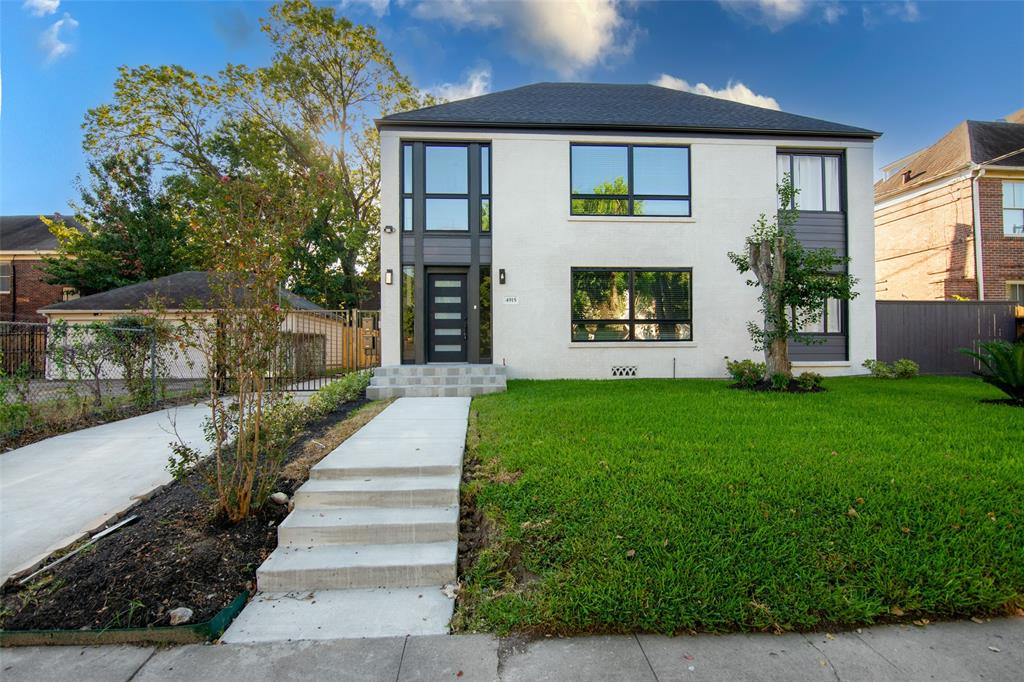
(1003, 366)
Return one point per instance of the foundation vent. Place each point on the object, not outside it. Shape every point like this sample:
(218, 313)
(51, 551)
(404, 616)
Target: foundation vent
(623, 370)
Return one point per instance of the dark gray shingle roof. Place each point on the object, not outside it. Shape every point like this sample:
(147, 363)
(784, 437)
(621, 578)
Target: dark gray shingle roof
(175, 291)
(615, 106)
(29, 233)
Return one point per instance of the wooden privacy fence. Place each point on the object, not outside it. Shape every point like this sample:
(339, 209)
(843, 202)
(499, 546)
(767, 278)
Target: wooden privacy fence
(318, 345)
(931, 333)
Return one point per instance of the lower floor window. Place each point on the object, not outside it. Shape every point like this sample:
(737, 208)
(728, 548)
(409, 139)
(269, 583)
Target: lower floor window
(631, 304)
(1015, 291)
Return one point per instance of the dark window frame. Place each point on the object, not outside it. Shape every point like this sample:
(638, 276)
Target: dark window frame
(821, 153)
(631, 196)
(402, 193)
(843, 316)
(419, 186)
(631, 321)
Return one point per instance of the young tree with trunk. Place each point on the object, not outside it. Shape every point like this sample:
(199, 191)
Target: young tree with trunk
(795, 282)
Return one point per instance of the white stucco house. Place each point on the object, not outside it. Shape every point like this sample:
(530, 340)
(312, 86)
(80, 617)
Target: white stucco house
(565, 230)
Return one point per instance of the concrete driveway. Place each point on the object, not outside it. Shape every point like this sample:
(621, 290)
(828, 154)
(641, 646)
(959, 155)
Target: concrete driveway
(58, 489)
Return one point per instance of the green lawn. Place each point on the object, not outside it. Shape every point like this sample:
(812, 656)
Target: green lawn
(675, 505)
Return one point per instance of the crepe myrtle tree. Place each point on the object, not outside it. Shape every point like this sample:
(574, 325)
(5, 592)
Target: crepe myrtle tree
(795, 282)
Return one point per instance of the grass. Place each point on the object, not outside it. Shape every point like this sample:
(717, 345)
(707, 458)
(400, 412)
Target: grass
(670, 506)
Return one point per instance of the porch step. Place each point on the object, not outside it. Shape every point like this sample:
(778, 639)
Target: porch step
(412, 391)
(382, 491)
(329, 567)
(440, 380)
(383, 526)
(439, 370)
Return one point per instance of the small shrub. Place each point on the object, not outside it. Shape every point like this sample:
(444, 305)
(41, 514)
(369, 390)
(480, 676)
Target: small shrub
(1002, 366)
(14, 410)
(879, 369)
(900, 369)
(905, 369)
(350, 387)
(809, 381)
(746, 373)
(780, 381)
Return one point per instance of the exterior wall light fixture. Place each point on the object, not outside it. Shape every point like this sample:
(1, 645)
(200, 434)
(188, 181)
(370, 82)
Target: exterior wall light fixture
(388, 276)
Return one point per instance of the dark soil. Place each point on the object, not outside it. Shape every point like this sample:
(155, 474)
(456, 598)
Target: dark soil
(766, 386)
(175, 555)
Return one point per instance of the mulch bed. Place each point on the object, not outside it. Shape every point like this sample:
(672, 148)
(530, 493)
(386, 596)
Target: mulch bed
(174, 555)
(767, 387)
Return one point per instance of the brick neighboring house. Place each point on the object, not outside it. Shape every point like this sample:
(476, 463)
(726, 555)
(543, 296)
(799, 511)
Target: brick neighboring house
(935, 208)
(24, 240)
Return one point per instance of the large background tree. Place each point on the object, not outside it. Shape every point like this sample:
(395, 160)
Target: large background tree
(795, 282)
(309, 113)
(132, 230)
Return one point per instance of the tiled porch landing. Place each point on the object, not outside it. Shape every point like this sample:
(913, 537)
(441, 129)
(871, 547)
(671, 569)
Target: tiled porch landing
(424, 381)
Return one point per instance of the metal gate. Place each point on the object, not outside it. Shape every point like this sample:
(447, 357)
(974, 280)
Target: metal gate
(317, 346)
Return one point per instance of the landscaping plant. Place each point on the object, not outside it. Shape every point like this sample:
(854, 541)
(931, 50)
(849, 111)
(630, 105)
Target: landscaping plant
(14, 409)
(1002, 366)
(810, 381)
(746, 373)
(900, 369)
(795, 283)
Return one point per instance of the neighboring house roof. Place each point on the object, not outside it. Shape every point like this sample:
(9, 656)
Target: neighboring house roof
(176, 292)
(29, 233)
(992, 143)
(615, 106)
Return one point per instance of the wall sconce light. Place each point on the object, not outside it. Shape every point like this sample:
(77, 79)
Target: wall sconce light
(501, 275)
(388, 276)
(389, 228)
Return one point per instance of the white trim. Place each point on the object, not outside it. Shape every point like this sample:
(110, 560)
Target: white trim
(613, 219)
(633, 344)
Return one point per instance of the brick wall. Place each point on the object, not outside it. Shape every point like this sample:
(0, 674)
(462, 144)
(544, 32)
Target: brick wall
(1002, 256)
(30, 292)
(924, 246)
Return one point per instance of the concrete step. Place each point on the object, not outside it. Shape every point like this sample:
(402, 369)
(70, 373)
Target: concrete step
(439, 370)
(367, 457)
(453, 380)
(341, 614)
(331, 567)
(420, 391)
(375, 525)
(380, 491)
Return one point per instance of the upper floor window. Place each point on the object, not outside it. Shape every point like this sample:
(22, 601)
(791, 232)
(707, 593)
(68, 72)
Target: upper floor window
(815, 176)
(456, 188)
(1013, 209)
(624, 180)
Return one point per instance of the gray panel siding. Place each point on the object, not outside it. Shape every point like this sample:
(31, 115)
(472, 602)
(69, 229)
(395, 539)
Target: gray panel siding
(834, 348)
(445, 250)
(822, 231)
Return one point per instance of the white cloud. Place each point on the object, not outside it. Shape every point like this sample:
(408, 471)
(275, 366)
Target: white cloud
(734, 91)
(832, 12)
(478, 82)
(567, 36)
(378, 7)
(907, 12)
(52, 40)
(41, 8)
(775, 14)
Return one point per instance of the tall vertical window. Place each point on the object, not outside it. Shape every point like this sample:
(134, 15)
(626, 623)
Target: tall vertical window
(1013, 209)
(830, 321)
(631, 305)
(629, 180)
(816, 177)
(485, 314)
(406, 187)
(408, 294)
(485, 188)
(6, 277)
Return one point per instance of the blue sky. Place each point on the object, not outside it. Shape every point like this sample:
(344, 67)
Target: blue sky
(912, 70)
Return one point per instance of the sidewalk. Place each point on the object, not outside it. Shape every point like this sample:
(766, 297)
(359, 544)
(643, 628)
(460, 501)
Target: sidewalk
(944, 651)
(58, 489)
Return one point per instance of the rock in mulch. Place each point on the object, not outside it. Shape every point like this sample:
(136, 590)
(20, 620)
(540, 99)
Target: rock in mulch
(180, 615)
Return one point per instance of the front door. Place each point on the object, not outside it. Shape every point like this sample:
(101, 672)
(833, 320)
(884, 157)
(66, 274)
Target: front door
(447, 313)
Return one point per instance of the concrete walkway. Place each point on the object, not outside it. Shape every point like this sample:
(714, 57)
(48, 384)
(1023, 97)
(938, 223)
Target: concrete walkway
(372, 539)
(945, 651)
(56, 490)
